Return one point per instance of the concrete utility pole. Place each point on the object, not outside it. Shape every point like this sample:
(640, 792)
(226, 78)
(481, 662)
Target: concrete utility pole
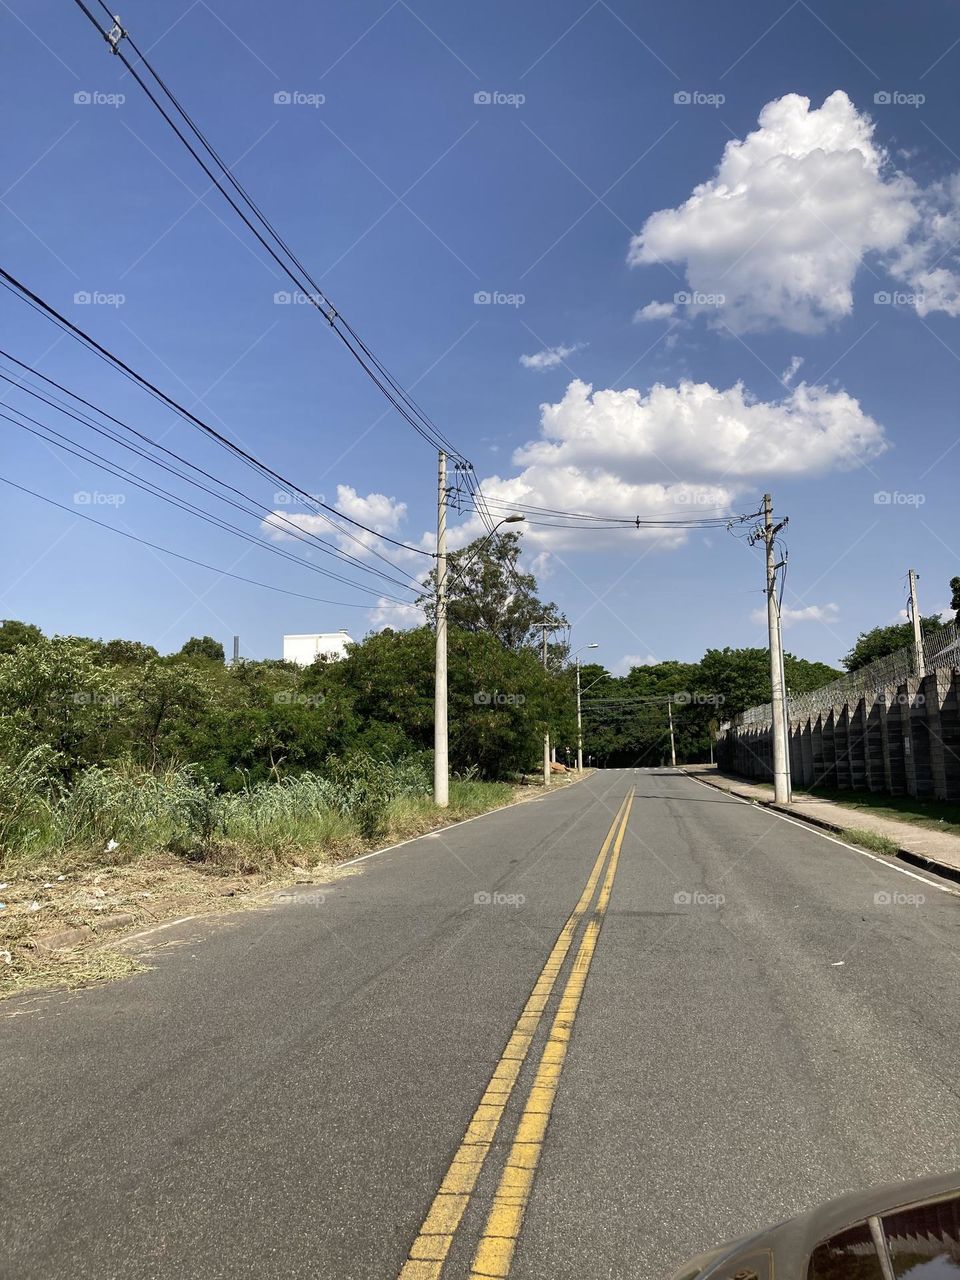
(918, 658)
(441, 765)
(673, 745)
(546, 736)
(781, 767)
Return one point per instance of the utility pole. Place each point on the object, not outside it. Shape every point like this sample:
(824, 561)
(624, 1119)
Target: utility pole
(673, 745)
(918, 658)
(546, 736)
(579, 723)
(441, 767)
(781, 767)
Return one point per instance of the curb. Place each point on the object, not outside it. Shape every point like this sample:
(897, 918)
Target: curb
(921, 860)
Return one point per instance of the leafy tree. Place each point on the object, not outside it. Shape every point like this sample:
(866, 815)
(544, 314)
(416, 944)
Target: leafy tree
(881, 641)
(14, 633)
(955, 596)
(52, 694)
(486, 591)
(125, 653)
(203, 647)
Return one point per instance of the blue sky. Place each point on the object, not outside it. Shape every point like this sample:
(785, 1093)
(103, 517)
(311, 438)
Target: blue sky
(406, 197)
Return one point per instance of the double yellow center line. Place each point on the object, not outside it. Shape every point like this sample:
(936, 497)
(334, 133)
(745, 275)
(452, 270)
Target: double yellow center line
(495, 1251)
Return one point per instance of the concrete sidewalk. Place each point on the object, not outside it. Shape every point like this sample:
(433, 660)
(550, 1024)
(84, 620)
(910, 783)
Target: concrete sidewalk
(938, 850)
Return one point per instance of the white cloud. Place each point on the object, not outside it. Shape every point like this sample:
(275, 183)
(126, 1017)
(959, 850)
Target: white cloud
(791, 371)
(376, 511)
(550, 357)
(631, 660)
(696, 431)
(781, 228)
(824, 613)
(656, 311)
(690, 450)
(929, 264)
(399, 617)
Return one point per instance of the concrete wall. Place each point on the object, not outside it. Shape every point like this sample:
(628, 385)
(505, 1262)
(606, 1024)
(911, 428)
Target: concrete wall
(903, 740)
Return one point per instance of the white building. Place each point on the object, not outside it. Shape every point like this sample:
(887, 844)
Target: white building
(303, 650)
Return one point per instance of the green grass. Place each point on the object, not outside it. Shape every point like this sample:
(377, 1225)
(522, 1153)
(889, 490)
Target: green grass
(937, 815)
(870, 840)
(119, 815)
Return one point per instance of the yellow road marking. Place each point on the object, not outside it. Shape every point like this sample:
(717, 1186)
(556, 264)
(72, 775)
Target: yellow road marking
(429, 1251)
(494, 1255)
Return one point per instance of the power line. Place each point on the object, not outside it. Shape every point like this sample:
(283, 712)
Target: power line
(297, 532)
(38, 304)
(405, 405)
(63, 443)
(226, 573)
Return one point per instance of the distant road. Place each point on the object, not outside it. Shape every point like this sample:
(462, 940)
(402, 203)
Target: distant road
(586, 1036)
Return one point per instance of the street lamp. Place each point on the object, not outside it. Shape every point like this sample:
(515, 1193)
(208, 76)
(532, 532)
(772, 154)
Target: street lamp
(592, 645)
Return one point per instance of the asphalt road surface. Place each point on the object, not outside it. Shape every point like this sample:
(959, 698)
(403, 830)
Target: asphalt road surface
(585, 1036)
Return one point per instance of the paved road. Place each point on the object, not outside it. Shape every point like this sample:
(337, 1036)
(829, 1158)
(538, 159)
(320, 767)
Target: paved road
(738, 1020)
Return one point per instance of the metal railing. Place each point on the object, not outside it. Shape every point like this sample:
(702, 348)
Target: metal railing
(940, 649)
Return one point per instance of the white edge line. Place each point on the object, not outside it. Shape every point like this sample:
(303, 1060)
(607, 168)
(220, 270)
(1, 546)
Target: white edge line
(450, 826)
(814, 830)
(168, 924)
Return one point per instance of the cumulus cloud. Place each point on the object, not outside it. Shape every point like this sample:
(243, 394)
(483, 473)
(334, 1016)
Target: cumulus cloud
(824, 613)
(688, 450)
(550, 357)
(656, 311)
(376, 511)
(695, 430)
(928, 264)
(631, 660)
(781, 228)
(791, 371)
(399, 617)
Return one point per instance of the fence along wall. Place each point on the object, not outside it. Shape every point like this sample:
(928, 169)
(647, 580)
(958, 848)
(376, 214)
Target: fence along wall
(885, 728)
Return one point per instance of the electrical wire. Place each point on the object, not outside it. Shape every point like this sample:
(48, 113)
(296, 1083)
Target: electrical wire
(405, 405)
(276, 518)
(226, 573)
(63, 443)
(21, 291)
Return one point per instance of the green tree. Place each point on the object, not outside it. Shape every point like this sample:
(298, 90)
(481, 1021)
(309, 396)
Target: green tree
(955, 597)
(203, 647)
(14, 633)
(486, 591)
(881, 641)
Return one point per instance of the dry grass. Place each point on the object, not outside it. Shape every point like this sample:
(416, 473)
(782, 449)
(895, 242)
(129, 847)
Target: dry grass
(87, 891)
